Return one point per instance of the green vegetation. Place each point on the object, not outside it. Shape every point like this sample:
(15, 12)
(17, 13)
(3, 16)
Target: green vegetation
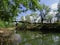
(34, 28)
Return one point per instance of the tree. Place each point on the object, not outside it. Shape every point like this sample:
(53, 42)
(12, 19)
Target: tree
(35, 16)
(59, 6)
(28, 18)
(23, 18)
(33, 5)
(44, 12)
(9, 8)
(49, 17)
(58, 14)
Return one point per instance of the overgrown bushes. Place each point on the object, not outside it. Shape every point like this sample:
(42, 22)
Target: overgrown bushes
(5, 24)
(2, 24)
(45, 27)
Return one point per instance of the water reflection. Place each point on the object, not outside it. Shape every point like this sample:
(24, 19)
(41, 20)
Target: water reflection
(51, 39)
(32, 38)
(55, 38)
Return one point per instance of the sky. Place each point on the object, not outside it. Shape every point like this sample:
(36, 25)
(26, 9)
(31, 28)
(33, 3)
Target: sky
(51, 3)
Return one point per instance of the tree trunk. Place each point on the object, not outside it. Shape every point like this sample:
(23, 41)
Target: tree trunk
(41, 20)
(50, 20)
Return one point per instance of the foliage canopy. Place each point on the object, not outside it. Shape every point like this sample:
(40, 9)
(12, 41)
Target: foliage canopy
(10, 8)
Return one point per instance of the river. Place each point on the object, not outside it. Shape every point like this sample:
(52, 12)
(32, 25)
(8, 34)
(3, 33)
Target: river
(37, 38)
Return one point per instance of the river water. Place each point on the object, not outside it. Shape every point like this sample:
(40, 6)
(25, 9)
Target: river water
(37, 38)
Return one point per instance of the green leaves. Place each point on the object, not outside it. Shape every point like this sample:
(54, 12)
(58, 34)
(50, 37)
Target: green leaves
(36, 3)
(12, 7)
(28, 18)
(9, 10)
(5, 4)
(32, 4)
(59, 7)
